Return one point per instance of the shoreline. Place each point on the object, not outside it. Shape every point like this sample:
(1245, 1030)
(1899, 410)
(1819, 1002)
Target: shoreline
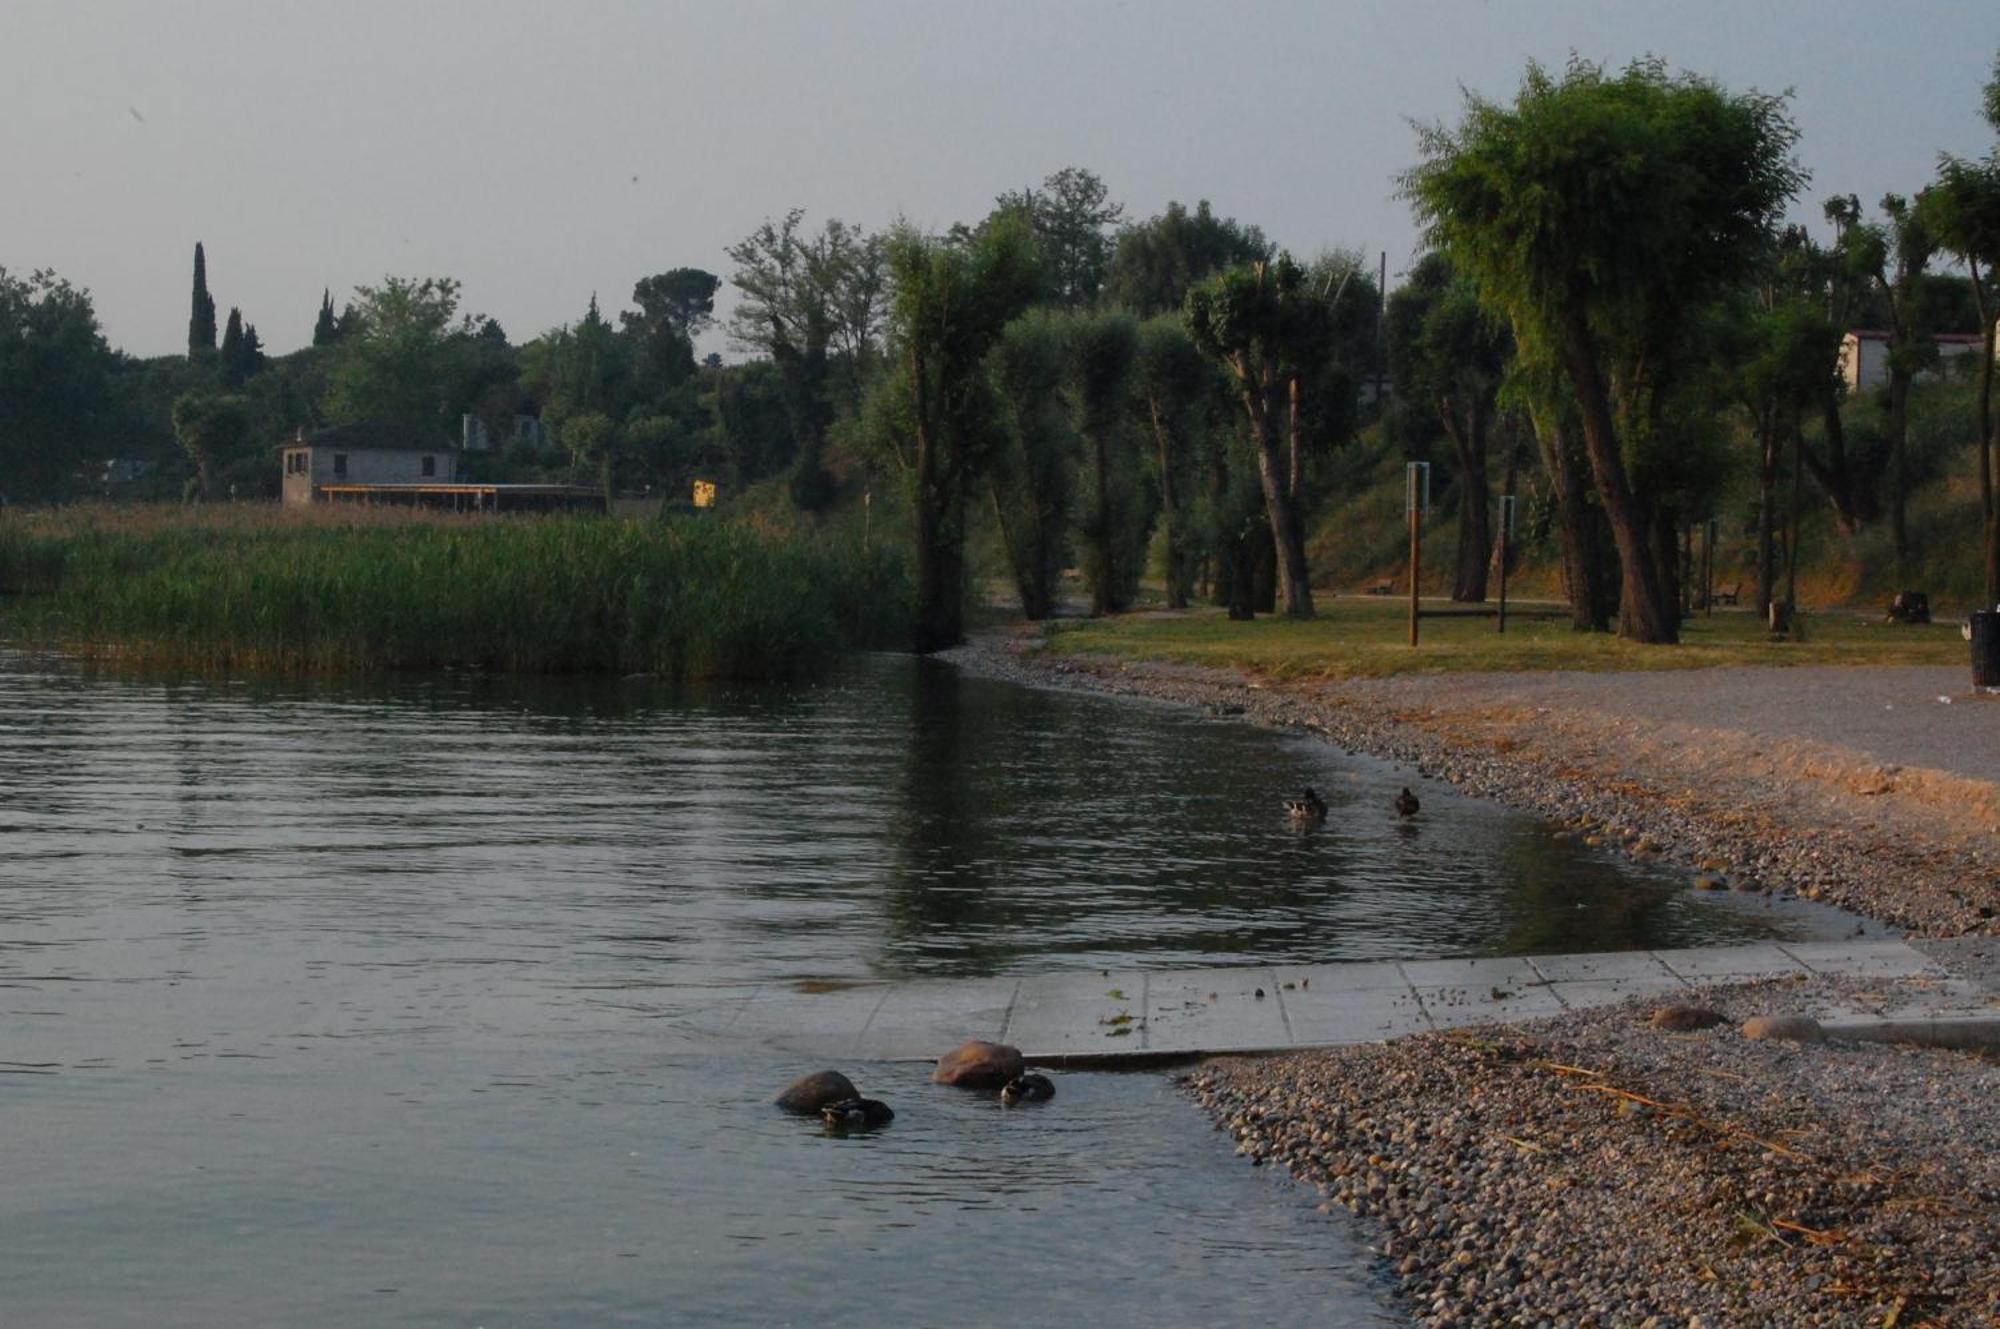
(1906, 846)
(1589, 1169)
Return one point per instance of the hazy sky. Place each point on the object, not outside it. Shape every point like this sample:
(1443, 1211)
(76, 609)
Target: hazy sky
(541, 151)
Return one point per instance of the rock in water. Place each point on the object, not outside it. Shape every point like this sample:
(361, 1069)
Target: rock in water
(978, 1065)
(1791, 1028)
(809, 1096)
(1682, 1019)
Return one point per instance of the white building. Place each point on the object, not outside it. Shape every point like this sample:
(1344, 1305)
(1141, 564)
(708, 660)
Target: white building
(1864, 356)
(370, 453)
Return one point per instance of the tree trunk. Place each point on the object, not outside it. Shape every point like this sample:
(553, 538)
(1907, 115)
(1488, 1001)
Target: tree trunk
(1295, 477)
(1792, 536)
(1986, 440)
(1294, 587)
(940, 530)
(1852, 507)
(1591, 586)
(1899, 481)
(1645, 611)
(1028, 558)
(1767, 524)
(1178, 577)
(1098, 564)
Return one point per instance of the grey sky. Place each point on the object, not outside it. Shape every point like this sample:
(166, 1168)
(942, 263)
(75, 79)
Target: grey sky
(539, 152)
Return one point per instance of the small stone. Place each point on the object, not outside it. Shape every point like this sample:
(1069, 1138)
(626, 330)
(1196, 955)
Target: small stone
(1790, 1028)
(809, 1095)
(1706, 882)
(1681, 1018)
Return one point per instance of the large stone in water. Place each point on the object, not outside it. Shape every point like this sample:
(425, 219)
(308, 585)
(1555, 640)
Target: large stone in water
(978, 1065)
(809, 1095)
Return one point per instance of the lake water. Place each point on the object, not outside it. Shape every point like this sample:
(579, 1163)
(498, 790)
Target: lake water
(359, 1004)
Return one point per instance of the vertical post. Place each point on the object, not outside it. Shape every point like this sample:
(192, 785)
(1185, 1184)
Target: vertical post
(1506, 534)
(1708, 570)
(1417, 483)
(867, 517)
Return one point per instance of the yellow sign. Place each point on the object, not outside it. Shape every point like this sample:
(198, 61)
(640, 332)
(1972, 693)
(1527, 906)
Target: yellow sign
(704, 493)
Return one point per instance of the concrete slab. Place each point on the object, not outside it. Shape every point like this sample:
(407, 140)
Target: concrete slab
(1609, 992)
(1710, 964)
(1449, 1008)
(922, 1021)
(1079, 1014)
(1193, 1010)
(823, 1022)
(1480, 974)
(1325, 1013)
(1609, 966)
(1356, 975)
(1862, 959)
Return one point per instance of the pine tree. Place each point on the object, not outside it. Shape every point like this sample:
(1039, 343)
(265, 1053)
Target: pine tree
(326, 330)
(229, 364)
(253, 351)
(201, 321)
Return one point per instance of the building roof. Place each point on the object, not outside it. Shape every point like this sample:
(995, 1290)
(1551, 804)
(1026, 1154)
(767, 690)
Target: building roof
(376, 435)
(1877, 334)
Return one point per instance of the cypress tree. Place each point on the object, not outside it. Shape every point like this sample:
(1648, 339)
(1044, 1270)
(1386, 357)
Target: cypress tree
(201, 321)
(326, 330)
(230, 362)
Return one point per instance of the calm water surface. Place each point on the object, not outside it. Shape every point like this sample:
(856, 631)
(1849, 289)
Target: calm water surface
(362, 1003)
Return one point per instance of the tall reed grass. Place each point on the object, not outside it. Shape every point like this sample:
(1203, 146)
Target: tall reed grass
(328, 591)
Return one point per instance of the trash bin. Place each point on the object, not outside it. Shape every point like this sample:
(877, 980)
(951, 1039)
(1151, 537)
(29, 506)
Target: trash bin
(1986, 649)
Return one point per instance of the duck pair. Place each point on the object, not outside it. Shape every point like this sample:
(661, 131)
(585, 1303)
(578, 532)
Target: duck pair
(1309, 809)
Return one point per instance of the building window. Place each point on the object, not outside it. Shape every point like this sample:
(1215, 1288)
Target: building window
(340, 465)
(430, 466)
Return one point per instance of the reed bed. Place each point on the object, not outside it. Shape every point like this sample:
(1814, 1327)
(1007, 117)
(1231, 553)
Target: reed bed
(269, 589)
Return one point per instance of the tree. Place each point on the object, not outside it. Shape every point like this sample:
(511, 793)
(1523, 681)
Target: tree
(1100, 349)
(1072, 216)
(1447, 352)
(1262, 324)
(326, 328)
(1172, 383)
(201, 319)
(1602, 215)
(1895, 255)
(1031, 474)
(55, 383)
(1965, 207)
(1156, 262)
(674, 307)
(242, 353)
(405, 354)
(212, 428)
(592, 439)
(952, 301)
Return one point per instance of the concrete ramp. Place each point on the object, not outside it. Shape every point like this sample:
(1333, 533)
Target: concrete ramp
(1135, 1016)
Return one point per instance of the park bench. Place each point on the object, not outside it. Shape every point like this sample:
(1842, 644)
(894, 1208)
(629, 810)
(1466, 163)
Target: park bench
(1727, 595)
(1382, 587)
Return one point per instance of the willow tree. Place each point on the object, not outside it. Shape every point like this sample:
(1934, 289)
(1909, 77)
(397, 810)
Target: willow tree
(1171, 383)
(1032, 471)
(952, 299)
(1602, 215)
(1101, 352)
(1261, 322)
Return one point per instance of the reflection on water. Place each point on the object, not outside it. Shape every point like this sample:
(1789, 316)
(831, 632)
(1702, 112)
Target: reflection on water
(345, 1003)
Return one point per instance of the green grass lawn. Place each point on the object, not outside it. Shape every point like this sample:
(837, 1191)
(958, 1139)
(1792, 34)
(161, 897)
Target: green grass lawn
(1355, 637)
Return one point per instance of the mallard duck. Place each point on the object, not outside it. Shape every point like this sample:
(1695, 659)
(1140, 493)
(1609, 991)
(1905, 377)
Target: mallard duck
(857, 1114)
(1406, 803)
(1307, 809)
(1029, 1088)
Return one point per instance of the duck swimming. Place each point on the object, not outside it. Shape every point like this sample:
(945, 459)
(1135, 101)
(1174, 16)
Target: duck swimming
(857, 1114)
(1308, 809)
(1029, 1088)
(1406, 803)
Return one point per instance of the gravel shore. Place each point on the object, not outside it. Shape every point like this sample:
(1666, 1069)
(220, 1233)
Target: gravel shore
(1593, 1170)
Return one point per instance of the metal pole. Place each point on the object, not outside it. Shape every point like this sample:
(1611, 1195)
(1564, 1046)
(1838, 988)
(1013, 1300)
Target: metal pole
(1417, 483)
